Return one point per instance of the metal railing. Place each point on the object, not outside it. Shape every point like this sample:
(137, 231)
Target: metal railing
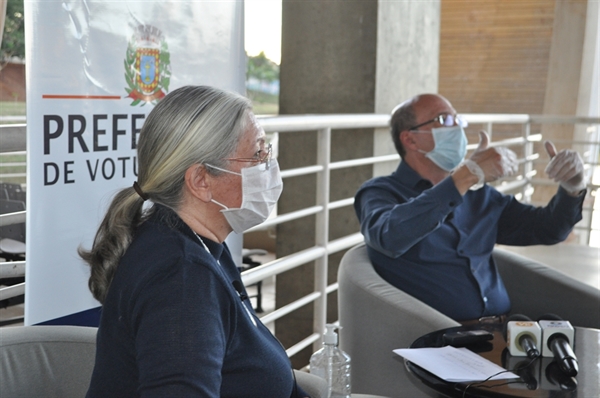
(521, 185)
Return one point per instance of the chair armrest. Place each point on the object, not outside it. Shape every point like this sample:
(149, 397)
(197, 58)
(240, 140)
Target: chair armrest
(377, 318)
(313, 385)
(536, 289)
(46, 361)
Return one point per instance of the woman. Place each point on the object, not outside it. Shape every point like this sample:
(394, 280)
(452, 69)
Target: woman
(175, 321)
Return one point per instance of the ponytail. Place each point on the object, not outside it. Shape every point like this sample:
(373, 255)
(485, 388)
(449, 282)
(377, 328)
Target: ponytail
(112, 240)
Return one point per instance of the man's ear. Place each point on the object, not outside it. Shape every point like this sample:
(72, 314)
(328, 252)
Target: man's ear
(197, 181)
(408, 140)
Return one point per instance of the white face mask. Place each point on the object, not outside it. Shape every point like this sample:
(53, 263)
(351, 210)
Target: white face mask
(261, 188)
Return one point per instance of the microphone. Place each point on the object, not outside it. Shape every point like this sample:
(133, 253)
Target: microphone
(522, 336)
(237, 285)
(556, 337)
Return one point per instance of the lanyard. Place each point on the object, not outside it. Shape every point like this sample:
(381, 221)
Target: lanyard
(238, 292)
(206, 247)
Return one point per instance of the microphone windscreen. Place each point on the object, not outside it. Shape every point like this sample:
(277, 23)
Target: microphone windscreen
(549, 317)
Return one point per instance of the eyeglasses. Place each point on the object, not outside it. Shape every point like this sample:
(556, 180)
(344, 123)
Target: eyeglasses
(262, 156)
(444, 119)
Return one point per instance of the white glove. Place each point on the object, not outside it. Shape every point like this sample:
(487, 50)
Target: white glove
(496, 162)
(510, 165)
(566, 168)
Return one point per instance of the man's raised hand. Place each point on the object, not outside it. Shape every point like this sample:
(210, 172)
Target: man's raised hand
(566, 168)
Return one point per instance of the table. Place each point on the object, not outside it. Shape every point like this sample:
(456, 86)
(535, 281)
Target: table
(541, 379)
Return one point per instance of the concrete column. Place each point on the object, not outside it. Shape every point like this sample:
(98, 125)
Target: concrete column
(408, 41)
(342, 57)
(573, 59)
(408, 48)
(588, 101)
(327, 66)
(566, 54)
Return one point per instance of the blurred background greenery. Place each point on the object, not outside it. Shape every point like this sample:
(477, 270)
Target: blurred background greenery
(10, 108)
(263, 103)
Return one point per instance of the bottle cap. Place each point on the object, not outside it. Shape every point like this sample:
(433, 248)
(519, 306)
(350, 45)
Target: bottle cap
(330, 336)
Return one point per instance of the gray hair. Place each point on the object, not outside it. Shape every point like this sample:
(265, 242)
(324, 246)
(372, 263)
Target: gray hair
(403, 118)
(191, 125)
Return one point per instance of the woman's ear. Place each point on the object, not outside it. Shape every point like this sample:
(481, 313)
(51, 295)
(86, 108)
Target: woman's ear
(197, 182)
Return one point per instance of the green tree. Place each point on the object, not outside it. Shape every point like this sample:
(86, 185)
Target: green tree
(262, 68)
(13, 39)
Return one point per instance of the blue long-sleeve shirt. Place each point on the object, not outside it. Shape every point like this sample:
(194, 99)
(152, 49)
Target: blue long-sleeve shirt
(173, 325)
(436, 245)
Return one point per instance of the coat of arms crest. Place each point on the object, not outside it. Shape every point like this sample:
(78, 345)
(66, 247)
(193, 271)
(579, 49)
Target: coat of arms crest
(147, 66)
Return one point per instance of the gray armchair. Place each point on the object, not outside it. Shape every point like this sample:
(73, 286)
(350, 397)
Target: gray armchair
(46, 361)
(57, 361)
(377, 318)
(536, 289)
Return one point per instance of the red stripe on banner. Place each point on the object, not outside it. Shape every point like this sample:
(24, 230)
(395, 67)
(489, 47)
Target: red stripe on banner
(56, 96)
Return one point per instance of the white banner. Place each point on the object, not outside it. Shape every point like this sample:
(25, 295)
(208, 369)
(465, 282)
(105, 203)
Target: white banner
(95, 69)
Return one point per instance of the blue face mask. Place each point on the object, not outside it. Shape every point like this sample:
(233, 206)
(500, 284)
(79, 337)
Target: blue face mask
(450, 147)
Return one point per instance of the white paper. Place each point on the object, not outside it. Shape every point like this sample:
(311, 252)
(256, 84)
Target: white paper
(454, 364)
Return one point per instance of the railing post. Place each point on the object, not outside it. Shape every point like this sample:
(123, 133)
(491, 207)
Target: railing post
(322, 231)
(528, 165)
(584, 138)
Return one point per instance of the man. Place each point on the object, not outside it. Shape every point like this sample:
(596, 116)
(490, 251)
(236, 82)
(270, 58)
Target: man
(431, 226)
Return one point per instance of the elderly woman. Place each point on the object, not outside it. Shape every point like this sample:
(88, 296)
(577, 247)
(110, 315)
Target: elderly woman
(175, 318)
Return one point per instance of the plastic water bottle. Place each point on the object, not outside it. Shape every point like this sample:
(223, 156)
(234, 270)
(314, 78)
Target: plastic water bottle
(332, 364)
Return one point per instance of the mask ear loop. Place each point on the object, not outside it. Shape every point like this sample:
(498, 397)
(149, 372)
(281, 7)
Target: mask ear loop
(225, 171)
(220, 204)
(434, 141)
